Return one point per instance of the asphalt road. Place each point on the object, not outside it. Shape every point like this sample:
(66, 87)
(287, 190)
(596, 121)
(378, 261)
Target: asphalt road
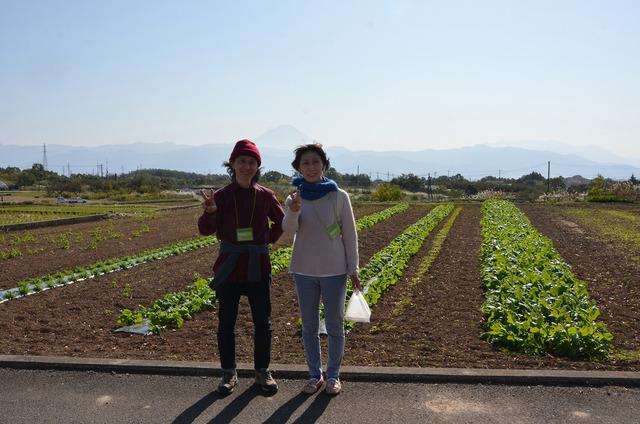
(37, 396)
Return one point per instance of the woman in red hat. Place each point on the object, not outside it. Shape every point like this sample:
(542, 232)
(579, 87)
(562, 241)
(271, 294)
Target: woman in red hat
(238, 214)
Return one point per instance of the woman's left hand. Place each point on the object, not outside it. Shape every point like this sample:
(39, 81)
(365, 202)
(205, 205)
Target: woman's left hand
(355, 281)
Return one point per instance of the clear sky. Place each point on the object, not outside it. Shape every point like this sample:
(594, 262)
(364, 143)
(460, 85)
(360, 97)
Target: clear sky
(359, 74)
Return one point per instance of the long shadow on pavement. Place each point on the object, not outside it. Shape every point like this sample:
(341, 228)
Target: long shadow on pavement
(283, 413)
(194, 411)
(237, 405)
(313, 412)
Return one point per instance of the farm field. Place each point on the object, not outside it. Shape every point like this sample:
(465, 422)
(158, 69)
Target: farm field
(430, 317)
(51, 249)
(48, 250)
(19, 214)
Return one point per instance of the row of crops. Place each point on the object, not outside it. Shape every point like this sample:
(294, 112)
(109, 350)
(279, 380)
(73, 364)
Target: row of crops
(81, 273)
(22, 244)
(387, 266)
(32, 213)
(534, 303)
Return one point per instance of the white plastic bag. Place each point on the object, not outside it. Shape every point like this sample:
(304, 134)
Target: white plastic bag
(357, 308)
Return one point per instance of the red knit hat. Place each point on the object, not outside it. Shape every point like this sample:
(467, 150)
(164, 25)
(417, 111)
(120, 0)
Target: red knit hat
(247, 148)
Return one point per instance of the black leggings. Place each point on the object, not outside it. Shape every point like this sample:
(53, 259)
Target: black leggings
(259, 295)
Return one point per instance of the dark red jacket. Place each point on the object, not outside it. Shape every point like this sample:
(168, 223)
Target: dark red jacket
(223, 222)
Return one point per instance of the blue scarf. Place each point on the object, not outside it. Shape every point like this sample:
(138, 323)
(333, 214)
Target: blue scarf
(310, 191)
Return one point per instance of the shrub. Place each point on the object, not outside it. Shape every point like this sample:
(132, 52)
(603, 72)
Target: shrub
(387, 192)
(602, 190)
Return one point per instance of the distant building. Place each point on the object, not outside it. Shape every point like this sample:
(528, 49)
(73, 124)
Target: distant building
(3, 186)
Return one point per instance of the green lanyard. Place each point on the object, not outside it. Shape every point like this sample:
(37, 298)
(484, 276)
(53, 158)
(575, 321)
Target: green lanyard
(333, 230)
(246, 233)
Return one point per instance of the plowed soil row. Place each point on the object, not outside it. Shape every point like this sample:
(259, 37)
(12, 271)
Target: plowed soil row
(78, 320)
(169, 227)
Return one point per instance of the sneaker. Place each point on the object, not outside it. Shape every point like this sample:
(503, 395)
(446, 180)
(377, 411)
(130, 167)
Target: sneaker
(228, 383)
(312, 385)
(266, 381)
(333, 386)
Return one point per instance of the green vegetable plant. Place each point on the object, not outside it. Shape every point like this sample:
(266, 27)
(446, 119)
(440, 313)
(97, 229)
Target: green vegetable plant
(534, 303)
(112, 265)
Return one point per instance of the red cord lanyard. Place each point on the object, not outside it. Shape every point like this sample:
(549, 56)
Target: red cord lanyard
(246, 233)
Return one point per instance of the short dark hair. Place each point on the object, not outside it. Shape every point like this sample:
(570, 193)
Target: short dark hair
(232, 173)
(313, 147)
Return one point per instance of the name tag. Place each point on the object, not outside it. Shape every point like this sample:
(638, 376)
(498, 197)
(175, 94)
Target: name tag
(333, 231)
(244, 234)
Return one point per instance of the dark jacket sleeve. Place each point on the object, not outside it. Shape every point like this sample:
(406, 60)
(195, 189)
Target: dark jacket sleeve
(207, 223)
(276, 213)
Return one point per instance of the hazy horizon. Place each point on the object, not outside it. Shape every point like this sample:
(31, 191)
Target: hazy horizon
(379, 75)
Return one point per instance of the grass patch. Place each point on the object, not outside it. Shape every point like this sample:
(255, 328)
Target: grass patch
(609, 224)
(625, 355)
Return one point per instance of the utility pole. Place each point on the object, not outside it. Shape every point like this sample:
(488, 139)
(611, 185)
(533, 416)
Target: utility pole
(429, 193)
(548, 176)
(44, 157)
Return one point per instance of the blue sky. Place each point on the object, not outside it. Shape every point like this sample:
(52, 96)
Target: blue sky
(360, 74)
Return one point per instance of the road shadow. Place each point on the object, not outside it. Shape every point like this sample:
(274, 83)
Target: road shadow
(313, 412)
(191, 413)
(233, 409)
(316, 409)
(283, 413)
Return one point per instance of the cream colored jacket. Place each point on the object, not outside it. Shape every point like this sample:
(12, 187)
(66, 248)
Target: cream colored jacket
(314, 253)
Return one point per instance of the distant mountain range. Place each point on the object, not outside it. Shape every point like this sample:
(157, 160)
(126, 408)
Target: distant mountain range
(277, 147)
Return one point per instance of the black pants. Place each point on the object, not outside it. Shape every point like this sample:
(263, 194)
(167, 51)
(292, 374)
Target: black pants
(259, 295)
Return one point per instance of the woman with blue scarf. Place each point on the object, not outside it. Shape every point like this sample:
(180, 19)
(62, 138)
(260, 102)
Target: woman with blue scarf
(325, 253)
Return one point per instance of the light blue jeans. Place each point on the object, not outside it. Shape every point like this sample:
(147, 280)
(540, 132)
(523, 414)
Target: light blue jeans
(334, 292)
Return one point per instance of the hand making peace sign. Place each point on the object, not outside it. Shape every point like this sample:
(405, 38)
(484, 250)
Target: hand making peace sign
(208, 204)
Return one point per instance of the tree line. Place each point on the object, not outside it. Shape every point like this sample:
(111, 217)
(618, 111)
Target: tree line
(157, 180)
